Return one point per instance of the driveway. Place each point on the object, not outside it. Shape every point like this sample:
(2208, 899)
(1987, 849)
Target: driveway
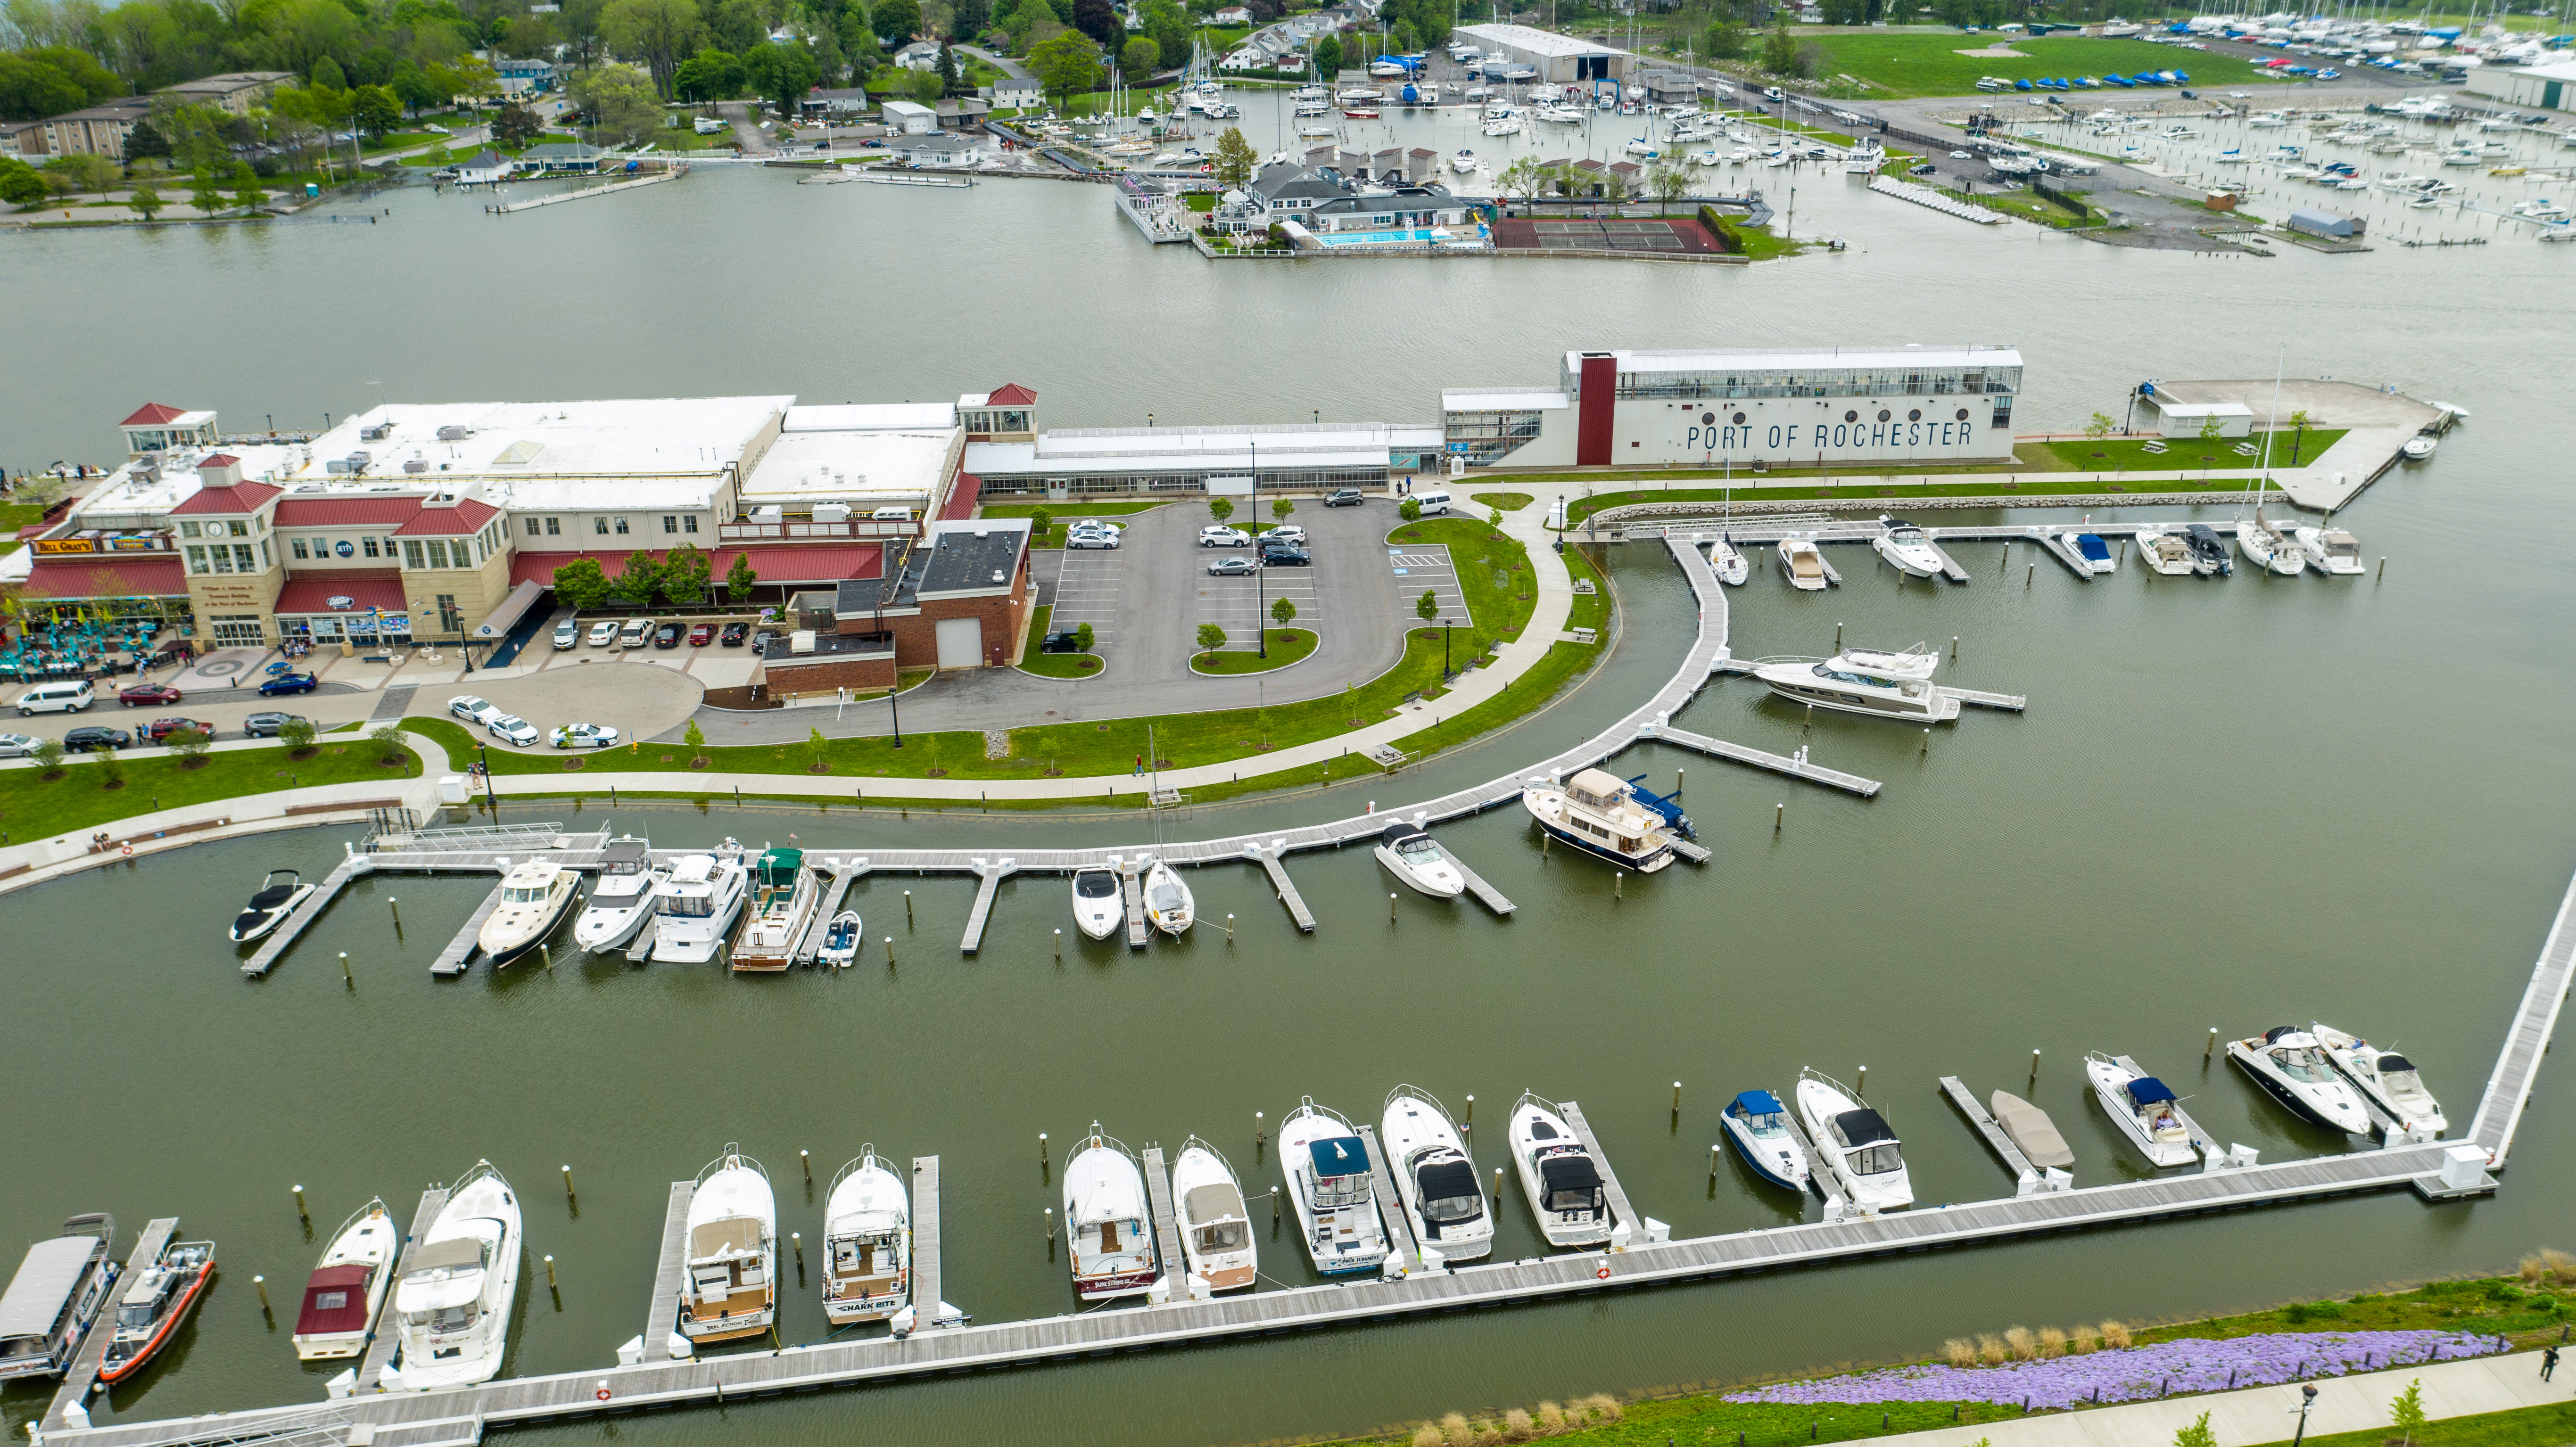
(639, 700)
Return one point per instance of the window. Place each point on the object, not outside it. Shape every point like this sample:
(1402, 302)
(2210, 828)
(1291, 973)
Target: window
(553, 527)
(437, 552)
(241, 529)
(621, 527)
(223, 559)
(264, 564)
(297, 547)
(370, 546)
(189, 530)
(670, 524)
(196, 557)
(689, 524)
(411, 553)
(321, 547)
(599, 526)
(532, 527)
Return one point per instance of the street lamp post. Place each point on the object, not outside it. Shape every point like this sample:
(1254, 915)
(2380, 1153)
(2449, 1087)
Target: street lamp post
(1444, 649)
(491, 800)
(2307, 1399)
(891, 693)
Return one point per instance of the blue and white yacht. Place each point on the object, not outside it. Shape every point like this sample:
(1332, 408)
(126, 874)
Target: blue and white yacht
(1600, 814)
(1757, 1126)
(1333, 1188)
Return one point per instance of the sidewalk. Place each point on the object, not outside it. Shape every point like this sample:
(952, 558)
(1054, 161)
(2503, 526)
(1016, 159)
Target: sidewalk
(51, 859)
(2354, 458)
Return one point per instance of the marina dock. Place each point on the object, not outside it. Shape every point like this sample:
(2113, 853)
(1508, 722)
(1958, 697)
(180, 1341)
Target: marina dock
(1626, 1223)
(1486, 895)
(2007, 702)
(380, 1349)
(1167, 1227)
(928, 1309)
(1820, 1177)
(844, 873)
(458, 957)
(264, 959)
(1991, 1130)
(670, 1272)
(1400, 1242)
(1134, 894)
(1760, 759)
(992, 876)
(70, 1402)
(1285, 887)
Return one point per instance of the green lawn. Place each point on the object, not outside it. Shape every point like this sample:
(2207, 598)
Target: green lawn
(1917, 65)
(1287, 645)
(1054, 665)
(1057, 512)
(2184, 453)
(33, 808)
(1501, 608)
(1870, 489)
(1507, 501)
(2550, 1426)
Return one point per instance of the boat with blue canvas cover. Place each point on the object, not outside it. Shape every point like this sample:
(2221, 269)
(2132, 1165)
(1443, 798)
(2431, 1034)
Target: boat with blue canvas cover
(2144, 1108)
(1757, 1126)
(1333, 1188)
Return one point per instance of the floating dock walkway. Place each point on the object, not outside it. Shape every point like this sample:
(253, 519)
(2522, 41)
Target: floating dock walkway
(380, 1350)
(670, 1273)
(1991, 1130)
(70, 1404)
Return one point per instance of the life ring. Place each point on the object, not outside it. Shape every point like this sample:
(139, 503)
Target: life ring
(129, 849)
(1602, 1271)
(602, 1393)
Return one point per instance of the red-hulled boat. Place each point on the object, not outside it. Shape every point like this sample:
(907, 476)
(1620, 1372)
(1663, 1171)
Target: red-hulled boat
(152, 1307)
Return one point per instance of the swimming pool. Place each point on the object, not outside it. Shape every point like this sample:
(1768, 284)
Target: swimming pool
(1463, 240)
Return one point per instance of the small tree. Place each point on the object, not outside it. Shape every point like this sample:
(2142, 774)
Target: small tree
(2406, 1413)
(2097, 429)
(191, 745)
(1427, 607)
(1780, 51)
(635, 586)
(2298, 434)
(48, 754)
(248, 194)
(1280, 509)
(110, 767)
(1351, 704)
(147, 201)
(2211, 429)
(1211, 638)
(390, 741)
(740, 578)
(516, 125)
(1041, 523)
(819, 749)
(696, 738)
(581, 584)
(1235, 158)
(206, 191)
(1082, 637)
(1494, 519)
(2197, 1434)
(1526, 178)
(1410, 510)
(1221, 508)
(1283, 612)
(1668, 183)
(298, 733)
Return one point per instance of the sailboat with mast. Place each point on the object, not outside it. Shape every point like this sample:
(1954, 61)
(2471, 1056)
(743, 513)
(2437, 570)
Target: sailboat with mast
(1169, 906)
(1732, 569)
(2270, 548)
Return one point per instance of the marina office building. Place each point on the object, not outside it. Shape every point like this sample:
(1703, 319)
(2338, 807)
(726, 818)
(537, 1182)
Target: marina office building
(1551, 59)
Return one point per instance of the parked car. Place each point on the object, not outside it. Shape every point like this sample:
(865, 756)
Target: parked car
(761, 640)
(568, 633)
(15, 746)
(1094, 525)
(636, 633)
(1091, 538)
(511, 729)
(160, 729)
(584, 736)
(1060, 641)
(266, 725)
(1224, 537)
(471, 709)
(1232, 567)
(286, 683)
(1285, 533)
(1345, 497)
(667, 636)
(91, 737)
(1283, 556)
(603, 633)
(1926, 169)
(734, 633)
(702, 635)
(143, 693)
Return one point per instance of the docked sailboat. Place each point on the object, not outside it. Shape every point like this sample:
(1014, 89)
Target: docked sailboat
(453, 1303)
(2331, 551)
(1215, 1225)
(1855, 1144)
(1559, 1178)
(1598, 813)
(2385, 1078)
(1728, 560)
(268, 907)
(1803, 564)
(2166, 553)
(153, 1304)
(622, 898)
(1436, 1176)
(535, 897)
(348, 1288)
(867, 1241)
(1757, 1126)
(840, 947)
(2144, 1109)
(1168, 903)
(731, 1286)
(2288, 1063)
(1907, 548)
(699, 906)
(1099, 905)
(1106, 1230)
(1872, 681)
(1412, 856)
(2270, 548)
(779, 909)
(1332, 1188)
(2032, 1131)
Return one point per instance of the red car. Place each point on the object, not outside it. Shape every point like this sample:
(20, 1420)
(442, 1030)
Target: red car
(160, 729)
(143, 693)
(702, 635)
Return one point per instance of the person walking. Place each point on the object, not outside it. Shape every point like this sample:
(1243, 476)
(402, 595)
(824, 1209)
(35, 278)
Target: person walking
(2548, 1362)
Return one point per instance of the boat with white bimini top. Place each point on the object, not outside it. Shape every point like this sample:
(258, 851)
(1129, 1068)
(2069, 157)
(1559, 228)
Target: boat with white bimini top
(783, 895)
(841, 938)
(1099, 908)
(1169, 906)
(699, 906)
(1435, 1175)
(622, 898)
(2288, 1062)
(2144, 1109)
(1215, 1225)
(867, 1241)
(1802, 564)
(153, 1304)
(1871, 681)
(1757, 1126)
(731, 1286)
(2030, 1128)
(270, 905)
(1410, 855)
(2165, 553)
(1333, 1190)
(348, 1288)
(1559, 1178)
(1728, 560)
(1854, 1142)
(1110, 1240)
(1907, 547)
(2332, 551)
(2385, 1078)
(55, 1298)
(1598, 813)
(535, 897)
(452, 1306)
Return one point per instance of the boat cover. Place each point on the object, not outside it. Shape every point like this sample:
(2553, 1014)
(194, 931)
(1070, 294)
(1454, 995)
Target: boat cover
(1095, 884)
(1758, 1102)
(2390, 1064)
(335, 1300)
(1568, 1172)
(2092, 546)
(1345, 1155)
(451, 1253)
(778, 868)
(2147, 1090)
(271, 897)
(1215, 1201)
(2032, 1130)
(732, 1236)
(1862, 1127)
(1395, 834)
(623, 851)
(43, 1285)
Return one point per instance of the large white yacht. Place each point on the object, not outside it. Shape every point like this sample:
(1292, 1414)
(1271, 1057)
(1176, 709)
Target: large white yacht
(534, 898)
(622, 898)
(348, 1287)
(2144, 1109)
(1559, 1178)
(1333, 1190)
(1855, 1144)
(2288, 1062)
(453, 1303)
(1215, 1225)
(1597, 813)
(732, 1285)
(1907, 547)
(698, 907)
(1410, 855)
(777, 911)
(1870, 681)
(1803, 563)
(1107, 1232)
(2385, 1078)
(1436, 1176)
(1099, 905)
(867, 1241)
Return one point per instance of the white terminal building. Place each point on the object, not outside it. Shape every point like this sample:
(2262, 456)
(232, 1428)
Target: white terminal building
(1798, 407)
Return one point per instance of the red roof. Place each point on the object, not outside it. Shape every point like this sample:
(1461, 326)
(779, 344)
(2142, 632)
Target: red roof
(109, 577)
(961, 498)
(346, 512)
(813, 564)
(1010, 394)
(364, 588)
(335, 1300)
(153, 414)
(239, 499)
(465, 519)
(220, 459)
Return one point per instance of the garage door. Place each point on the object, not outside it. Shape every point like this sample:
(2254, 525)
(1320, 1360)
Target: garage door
(961, 642)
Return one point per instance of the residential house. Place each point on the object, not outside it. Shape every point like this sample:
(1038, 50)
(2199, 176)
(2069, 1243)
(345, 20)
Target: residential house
(1413, 207)
(920, 55)
(239, 92)
(485, 169)
(935, 150)
(1285, 188)
(535, 76)
(1012, 93)
(1421, 166)
(1232, 15)
(965, 113)
(840, 104)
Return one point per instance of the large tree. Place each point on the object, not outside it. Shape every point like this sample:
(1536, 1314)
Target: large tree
(1328, 57)
(1235, 158)
(781, 74)
(709, 75)
(1099, 20)
(736, 25)
(895, 21)
(1067, 66)
(374, 109)
(620, 102)
(1136, 58)
(581, 584)
(656, 32)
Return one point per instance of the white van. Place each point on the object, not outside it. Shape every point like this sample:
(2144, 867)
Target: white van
(70, 696)
(1433, 502)
(634, 634)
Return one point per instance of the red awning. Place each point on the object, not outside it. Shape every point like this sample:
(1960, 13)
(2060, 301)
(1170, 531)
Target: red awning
(109, 576)
(961, 497)
(335, 1300)
(812, 564)
(315, 592)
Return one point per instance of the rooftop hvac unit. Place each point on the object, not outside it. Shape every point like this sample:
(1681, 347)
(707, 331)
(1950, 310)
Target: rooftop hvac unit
(766, 515)
(454, 434)
(415, 464)
(831, 512)
(355, 462)
(376, 432)
(999, 575)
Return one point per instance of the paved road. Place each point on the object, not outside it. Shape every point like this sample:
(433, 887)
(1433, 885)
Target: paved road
(1004, 64)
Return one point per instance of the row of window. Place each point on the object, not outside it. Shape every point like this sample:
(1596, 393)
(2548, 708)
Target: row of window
(1848, 382)
(673, 523)
(1278, 479)
(226, 558)
(236, 529)
(416, 553)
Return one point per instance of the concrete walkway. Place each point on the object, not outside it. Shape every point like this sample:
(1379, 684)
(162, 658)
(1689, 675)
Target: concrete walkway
(2271, 1414)
(26, 865)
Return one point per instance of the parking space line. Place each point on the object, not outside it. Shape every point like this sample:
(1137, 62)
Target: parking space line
(1430, 569)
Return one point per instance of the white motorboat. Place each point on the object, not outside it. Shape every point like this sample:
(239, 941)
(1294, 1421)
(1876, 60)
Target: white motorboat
(2331, 551)
(1506, 124)
(1598, 813)
(1435, 1173)
(1757, 1125)
(2268, 548)
(1803, 564)
(2089, 547)
(1728, 560)
(348, 1288)
(1867, 681)
(699, 905)
(1907, 547)
(1410, 855)
(1215, 1225)
(269, 907)
(1360, 95)
(452, 1306)
(841, 940)
(2144, 1109)
(1099, 905)
(1333, 1189)
(1107, 1232)
(2288, 1062)
(1168, 904)
(1562, 115)
(2416, 449)
(622, 898)
(731, 1286)
(2164, 552)
(535, 896)
(779, 907)
(2041, 1143)
(2385, 1078)
(1854, 1143)
(1464, 162)
(1559, 1178)
(867, 1241)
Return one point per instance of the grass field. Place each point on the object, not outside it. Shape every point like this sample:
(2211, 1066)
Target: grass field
(32, 808)
(1915, 65)
(1287, 646)
(1507, 501)
(2186, 453)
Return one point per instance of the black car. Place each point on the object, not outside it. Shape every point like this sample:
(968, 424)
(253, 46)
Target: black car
(761, 640)
(265, 725)
(734, 633)
(1344, 497)
(86, 739)
(667, 636)
(1283, 555)
(286, 683)
(1060, 642)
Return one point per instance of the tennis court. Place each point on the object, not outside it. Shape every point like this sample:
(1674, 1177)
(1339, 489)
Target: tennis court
(1666, 235)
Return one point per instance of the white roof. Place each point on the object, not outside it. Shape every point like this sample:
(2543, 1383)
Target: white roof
(1504, 399)
(866, 416)
(1799, 359)
(906, 108)
(624, 437)
(128, 498)
(1086, 451)
(1530, 40)
(882, 466)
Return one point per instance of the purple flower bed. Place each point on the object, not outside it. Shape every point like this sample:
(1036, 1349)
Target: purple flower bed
(2140, 1373)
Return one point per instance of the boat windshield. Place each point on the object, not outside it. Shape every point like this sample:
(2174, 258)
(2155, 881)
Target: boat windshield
(524, 893)
(1875, 1160)
(446, 1319)
(1418, 849)
(1827, 671)
(1766, 1125)
(1449, 1193)
(2299, 1063)
(1223, 1236)
(691, 903)
(136, 1315)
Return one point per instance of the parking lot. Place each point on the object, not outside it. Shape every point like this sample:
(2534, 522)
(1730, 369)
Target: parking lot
(1419, 569)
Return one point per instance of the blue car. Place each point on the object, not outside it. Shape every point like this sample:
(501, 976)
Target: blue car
(286, 683)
